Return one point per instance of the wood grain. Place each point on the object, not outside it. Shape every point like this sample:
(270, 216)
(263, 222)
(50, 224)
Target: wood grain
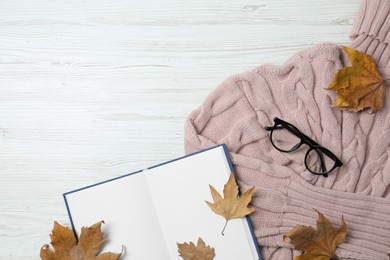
(91, 90)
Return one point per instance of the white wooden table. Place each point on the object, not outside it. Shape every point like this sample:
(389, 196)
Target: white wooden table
(94, 89)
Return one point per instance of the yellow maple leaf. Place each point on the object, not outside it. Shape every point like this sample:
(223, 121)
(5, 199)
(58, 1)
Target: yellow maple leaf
(359, 86)
(66, 247)
(320, 244)
(231, 206)
(188, 251)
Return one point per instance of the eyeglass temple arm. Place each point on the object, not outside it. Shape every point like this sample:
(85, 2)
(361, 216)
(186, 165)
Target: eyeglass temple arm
(270, 128)
(312, 142)
(286, 125)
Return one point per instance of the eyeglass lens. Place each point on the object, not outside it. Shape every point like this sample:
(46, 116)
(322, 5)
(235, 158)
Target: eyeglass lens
(318, 162)
(284, 139)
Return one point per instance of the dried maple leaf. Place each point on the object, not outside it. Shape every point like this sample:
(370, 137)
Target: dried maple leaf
(320, 244)
(198, 252)
(231, 206)
(359, 86)
(66, 247)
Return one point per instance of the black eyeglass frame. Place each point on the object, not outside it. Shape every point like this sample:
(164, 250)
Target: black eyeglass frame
(304, 139)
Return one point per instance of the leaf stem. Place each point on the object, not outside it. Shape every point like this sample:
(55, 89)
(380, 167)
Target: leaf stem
(224, 227)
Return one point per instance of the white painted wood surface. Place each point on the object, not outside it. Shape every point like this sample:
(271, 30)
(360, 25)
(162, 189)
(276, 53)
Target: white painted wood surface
(93, 89)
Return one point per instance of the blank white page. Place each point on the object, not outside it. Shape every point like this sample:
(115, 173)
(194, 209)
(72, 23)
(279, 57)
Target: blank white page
(148, 212)
(127, 209)
(179, 190)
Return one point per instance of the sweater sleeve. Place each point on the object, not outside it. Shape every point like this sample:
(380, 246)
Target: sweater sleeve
(284, 197)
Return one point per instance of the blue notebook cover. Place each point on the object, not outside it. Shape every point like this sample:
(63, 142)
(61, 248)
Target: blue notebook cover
(90, 204)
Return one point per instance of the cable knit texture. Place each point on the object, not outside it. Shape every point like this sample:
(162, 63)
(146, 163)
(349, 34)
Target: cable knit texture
(236, 112)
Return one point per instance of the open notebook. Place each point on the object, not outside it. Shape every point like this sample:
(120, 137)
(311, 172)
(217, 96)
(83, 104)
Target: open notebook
(150, 210)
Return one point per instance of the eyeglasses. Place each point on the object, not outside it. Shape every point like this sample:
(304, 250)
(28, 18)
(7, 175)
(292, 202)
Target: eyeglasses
(287, 138)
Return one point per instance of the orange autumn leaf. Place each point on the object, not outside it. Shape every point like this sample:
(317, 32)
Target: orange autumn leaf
(359, 86)
(188, 251)
(231, 206)
(320, 244)
(66, 247)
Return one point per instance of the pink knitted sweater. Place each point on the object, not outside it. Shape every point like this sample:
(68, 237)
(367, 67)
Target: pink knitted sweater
(237, 111)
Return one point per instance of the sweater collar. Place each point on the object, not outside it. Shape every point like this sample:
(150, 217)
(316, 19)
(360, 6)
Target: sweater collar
(371, 31)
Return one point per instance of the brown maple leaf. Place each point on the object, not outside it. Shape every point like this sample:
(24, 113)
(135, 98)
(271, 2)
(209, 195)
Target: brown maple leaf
(359, 86)
(231, 206)
(199, 252)
(66, 247)
(320, 244)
